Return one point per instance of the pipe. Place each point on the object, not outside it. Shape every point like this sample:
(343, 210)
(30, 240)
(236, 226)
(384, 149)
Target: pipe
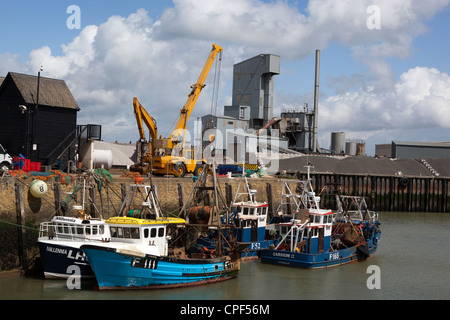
(316, 103)
(268, 124)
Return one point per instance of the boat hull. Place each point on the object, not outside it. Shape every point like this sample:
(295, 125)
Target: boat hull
(318, 260)
(114, 270)
(63, 260)
(249, 252)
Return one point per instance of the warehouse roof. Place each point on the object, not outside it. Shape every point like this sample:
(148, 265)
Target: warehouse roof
(365, 165)
(443, 144)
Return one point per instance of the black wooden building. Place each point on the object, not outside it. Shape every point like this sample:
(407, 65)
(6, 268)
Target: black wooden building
(37, 121)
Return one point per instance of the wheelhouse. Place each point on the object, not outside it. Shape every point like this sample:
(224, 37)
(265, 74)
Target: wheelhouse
(311, 236)
(155, 232)
(250, 219)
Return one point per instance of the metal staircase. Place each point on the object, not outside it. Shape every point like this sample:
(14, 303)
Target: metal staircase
(71, 145)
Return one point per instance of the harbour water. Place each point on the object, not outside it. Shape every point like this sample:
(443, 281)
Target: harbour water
(412, 262)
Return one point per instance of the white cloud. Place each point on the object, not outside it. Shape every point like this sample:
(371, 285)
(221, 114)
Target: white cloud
(418, 101)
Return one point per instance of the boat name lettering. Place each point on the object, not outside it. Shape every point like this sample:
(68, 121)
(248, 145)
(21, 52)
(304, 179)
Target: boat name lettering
(334, 256)
(283, 255)
(255, 246)
(71, 254)
(57, 250)
(67, 219)
(78, 256)
(144, 263)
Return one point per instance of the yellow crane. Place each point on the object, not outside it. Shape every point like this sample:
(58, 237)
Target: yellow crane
(170, 155)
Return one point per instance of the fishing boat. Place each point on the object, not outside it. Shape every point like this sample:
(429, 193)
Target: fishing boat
(315, 238)
(60, 238)
(59, 245)
(247, 219)
(149, 252)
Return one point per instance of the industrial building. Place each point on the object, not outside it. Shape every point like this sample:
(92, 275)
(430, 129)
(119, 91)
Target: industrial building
(297, 127)
(419, 150)
(218, 127)
(237, 132)
(253, 86)
(300, 126)
(252, 103)
(413, 150)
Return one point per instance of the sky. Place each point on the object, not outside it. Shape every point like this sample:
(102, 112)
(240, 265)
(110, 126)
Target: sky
(384, 64)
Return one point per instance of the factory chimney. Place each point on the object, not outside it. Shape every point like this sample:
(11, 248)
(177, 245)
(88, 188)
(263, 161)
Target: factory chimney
(316, 103)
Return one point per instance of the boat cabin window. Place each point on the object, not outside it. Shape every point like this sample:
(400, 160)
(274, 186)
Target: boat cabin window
(79, 230)
(125, 232)
(154, 232)
(245, 211)
(91, 230)
(314, 218)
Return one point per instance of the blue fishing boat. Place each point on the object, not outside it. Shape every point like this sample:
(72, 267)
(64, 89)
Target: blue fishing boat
(317, 238)
(149, 252)
(246, 219)
(139, 257)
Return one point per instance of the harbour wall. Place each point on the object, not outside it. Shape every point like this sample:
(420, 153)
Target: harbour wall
(387, 193)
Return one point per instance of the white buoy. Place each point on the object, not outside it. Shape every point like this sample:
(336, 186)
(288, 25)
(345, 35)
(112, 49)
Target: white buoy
(38, 188)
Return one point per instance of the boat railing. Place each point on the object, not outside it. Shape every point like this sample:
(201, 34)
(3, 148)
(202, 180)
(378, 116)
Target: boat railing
(66, 232)
(294, 232)
(354, 208)
(303, 197)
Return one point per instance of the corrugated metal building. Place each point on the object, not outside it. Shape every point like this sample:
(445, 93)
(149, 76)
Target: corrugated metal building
(253, 86)
(418, 150)
(218, 126)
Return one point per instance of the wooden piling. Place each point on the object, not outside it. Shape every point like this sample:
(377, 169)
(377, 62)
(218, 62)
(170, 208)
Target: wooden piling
(387, 193)
(92, 197)
(228, 193)
(20, 215)
(180, 195)
(57, 196)
(269, 200)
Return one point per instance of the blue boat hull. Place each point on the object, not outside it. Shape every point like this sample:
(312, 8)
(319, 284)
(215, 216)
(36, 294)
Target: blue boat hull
(118, 271)
(63, 261)
(250, 252)
(318, 260)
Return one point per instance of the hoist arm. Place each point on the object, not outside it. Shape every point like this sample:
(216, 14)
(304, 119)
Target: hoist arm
(196, 89)
(142, 116)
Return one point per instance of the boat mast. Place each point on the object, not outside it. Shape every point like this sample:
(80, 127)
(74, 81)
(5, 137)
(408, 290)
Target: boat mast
(216, 208)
